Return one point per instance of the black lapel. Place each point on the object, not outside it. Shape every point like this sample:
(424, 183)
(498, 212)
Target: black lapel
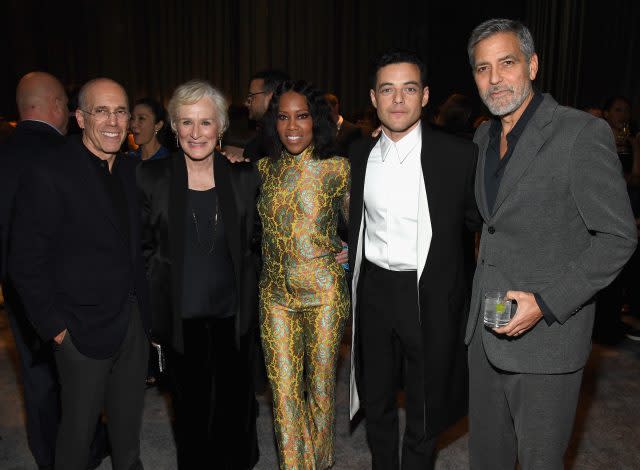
(432, 159)
(231, 217)
(126, 173)
(358, 161)
(178, 187)
(480, 189)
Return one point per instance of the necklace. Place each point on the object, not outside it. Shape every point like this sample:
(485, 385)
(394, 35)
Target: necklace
(213, 221)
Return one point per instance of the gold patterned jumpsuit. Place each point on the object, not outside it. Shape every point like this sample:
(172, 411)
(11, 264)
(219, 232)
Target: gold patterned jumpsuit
(304, 300)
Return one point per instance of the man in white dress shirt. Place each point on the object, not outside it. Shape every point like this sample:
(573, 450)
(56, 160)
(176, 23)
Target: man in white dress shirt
(411, 197)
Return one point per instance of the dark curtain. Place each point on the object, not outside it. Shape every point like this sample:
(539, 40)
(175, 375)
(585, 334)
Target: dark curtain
(611, 63)
(557, 27)
(587, 49)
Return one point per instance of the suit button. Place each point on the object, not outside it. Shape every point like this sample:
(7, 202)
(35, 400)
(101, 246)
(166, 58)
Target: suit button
(491, 230)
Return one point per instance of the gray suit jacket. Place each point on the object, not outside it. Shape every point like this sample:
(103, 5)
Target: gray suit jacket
(562, 226)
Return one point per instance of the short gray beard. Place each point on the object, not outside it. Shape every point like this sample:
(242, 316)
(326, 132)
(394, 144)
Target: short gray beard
(509, 107)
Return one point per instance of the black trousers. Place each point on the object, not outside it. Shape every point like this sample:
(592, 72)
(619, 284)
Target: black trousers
(40, 385)
(41, 391)
(390, 338)
(213, 397)
(88, 385)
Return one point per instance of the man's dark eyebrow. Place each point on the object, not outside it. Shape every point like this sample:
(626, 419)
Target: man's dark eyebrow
(411, 82)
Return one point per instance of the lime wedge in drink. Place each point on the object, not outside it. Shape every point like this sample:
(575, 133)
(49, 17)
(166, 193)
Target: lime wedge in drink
(500, 308)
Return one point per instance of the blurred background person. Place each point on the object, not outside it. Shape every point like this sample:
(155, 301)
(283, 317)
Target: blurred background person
(198, 234)
(147, 125)
(595, 111)
(304, 300)
(617, 113)
(454, 116)
(347, 132)
(622, 295)
(261, 88)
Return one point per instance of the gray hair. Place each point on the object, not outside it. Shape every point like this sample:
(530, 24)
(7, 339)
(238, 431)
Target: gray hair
(501, 25)
(192, 92)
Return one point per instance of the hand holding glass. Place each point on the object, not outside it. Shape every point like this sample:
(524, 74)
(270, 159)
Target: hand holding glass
(497, 310)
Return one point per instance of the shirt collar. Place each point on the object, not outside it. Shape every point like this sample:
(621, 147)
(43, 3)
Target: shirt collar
(47, 123)
(99, 162)
(403, 147)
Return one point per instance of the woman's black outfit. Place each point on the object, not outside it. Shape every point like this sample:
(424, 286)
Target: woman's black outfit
(202, 262)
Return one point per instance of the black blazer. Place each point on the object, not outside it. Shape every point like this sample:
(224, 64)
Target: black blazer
(71, 263)
(30, 142)
(448, 168)
(163, 187)
(348, 134)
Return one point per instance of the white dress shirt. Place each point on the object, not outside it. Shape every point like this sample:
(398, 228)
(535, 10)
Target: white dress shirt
(391, 192)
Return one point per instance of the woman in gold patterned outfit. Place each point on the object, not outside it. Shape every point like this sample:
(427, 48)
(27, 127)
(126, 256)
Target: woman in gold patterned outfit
(304, 300)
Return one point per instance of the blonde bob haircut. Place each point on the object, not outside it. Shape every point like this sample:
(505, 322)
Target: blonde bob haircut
(193, 91)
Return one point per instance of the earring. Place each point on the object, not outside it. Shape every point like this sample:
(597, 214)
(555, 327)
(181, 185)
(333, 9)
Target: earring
(220, 139)
(155, 132)
(177, 141)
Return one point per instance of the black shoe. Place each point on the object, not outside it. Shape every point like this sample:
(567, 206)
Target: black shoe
(633, 334)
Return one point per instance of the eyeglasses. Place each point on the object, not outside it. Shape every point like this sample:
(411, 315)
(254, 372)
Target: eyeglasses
(103, 114)
(250, 96)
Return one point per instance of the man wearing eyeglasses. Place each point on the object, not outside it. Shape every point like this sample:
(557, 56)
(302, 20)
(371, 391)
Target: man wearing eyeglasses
(261, 88)
(76, 262)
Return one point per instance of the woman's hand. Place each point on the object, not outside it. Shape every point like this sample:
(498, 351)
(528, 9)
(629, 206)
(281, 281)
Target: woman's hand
(234, 154)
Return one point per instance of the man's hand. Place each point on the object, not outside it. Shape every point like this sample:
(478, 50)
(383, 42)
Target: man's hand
(343, 256)
(527, 314)
(234, 154)
(60, 336)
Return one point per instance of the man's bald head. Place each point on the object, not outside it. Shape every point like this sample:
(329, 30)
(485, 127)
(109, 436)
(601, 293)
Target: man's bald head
(40, 96)
(88, 90)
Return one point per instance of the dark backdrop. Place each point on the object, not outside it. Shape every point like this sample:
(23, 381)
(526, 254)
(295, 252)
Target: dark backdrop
(588, 49)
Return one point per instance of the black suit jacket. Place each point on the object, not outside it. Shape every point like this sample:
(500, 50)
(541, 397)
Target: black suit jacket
(448, 168)
(70, 260)
(348, 134)
(163, 189)
(30, 142)
(25, 147)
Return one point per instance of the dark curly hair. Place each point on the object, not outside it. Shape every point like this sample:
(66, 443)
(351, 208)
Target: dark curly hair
(324, 129)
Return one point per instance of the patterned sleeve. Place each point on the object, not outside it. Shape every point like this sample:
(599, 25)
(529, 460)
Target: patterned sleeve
(344, 176)
(345, 186)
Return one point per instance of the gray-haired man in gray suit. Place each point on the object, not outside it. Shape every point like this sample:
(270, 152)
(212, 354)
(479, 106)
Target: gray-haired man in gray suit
(557, 228)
